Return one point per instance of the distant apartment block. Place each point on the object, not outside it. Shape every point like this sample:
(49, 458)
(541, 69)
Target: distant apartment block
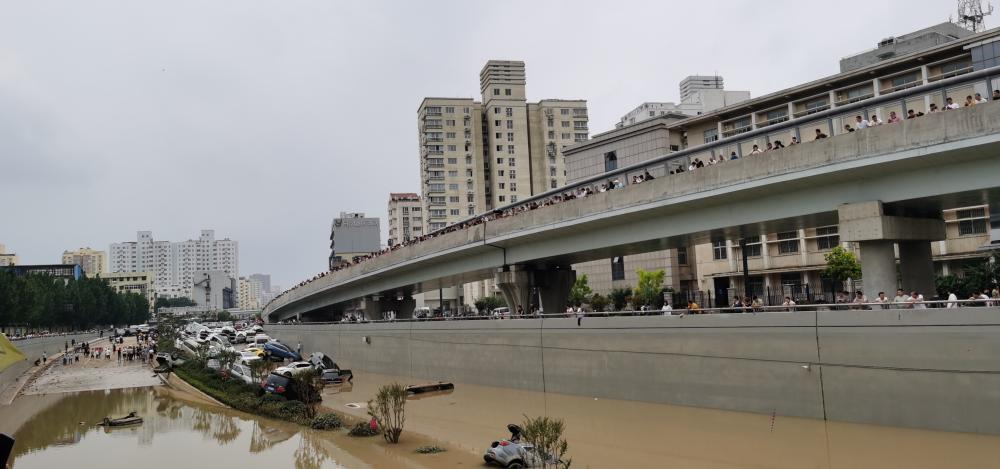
(173, 264)
(699, 94)
(92, 261)
(406, 217)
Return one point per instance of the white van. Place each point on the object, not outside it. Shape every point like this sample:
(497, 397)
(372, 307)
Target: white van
(260, 339)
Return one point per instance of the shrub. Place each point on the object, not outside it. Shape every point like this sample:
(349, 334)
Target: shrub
(388, 409)
(546, 435)
(274, 398)
(362, 429)
(430, 449)
(326, 422)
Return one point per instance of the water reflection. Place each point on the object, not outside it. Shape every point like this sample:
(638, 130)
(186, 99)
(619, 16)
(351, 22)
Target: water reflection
(62, 431)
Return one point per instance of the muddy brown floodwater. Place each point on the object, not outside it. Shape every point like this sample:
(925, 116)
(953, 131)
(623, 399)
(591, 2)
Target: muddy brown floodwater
(605, 433)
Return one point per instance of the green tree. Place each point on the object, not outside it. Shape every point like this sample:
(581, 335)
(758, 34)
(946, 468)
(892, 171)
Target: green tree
(649, 290)
(579, 293)
(619, 297)
(599, 302)
(841, 265)
(309, 388)
(545, 434)
(488, 303)
(388, 408)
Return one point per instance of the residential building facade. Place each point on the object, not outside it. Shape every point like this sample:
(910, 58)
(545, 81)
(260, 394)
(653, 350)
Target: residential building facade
(140, 283)
(406, 217)
(250, 293)
(7, 258)
(174, 264)
(478, 155)
(92, 261)
(353, 234)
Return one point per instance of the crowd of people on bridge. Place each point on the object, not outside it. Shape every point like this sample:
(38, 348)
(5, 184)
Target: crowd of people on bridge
(618, 182)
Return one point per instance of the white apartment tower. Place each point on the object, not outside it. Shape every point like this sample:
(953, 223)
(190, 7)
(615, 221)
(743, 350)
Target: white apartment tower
(174, 264)
(406, 217)
(477, 156)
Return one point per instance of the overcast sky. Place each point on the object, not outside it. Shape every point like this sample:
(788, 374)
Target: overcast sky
(265, 119)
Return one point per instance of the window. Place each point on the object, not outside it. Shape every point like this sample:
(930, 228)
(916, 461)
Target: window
(899, 81)
(449, 110)
(510, 149)
(453, 187)
(502, 185)
(552, 184)
(499, 160)
(454, 211)
(788, 242)
(816, 105)
(513, 187)
(500, 172)
(579, 137)
(472, 210)
(435, 187)
(827, 238)
(652, 113)
(506, 92)
(791, 278)
(453, 173)
(452, 160)
(564, 112)
(513, 198)
(610, 161)
(971, 222)
(710, 135)
(753, 246)
(496, 91)
(450, 122)
(510, 124)
(618, 268)
(719, 250)
(511, 161)
(501, 198)
(513, 174)
(452, 148)
(468, 160)
(453, 199)
(552, 171)
(552, 134)
(510, 112)
(565, 124)
(496, 110)
(510, 136)
(682, 255)
(565, 136)
(499, 147)
(777, 115)
(497, 123)
(499, 135)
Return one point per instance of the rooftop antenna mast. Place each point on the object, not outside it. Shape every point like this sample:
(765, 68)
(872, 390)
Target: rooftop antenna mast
(971, 14)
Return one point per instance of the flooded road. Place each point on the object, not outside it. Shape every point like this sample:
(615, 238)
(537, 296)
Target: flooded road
(604, 433)
(177, 433)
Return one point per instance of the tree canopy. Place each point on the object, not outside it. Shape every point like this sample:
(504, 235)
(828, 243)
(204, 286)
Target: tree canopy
(841, 265)
(579, 293)
(649, 290)
(44, 301)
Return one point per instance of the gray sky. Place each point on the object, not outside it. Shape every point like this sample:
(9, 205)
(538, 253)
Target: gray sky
(264, 119)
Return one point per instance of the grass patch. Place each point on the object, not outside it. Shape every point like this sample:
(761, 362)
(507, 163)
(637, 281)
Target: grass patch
(430, 449)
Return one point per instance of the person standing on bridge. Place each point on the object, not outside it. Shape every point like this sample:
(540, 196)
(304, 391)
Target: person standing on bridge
(298, 348)
(819, 134)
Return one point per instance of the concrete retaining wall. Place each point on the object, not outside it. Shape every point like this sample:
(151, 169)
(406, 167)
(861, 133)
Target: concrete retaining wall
(32, 349)
(935, 369)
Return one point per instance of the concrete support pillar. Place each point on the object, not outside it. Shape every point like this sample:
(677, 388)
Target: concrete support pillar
(917, 267)
(515, 285)
(553, 288)
(878, 267)
(867, 224)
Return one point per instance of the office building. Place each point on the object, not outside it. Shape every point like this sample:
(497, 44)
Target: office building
(406, 217)
(173, 264)
(353, 234)
(265, 281)
(789, 262)
(60, 271)
(92, 261)
(140, 283)
(7, 258)
(699, 94)
(479, 155)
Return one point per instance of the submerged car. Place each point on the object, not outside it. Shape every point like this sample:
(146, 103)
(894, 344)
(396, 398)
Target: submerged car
(242, 372)
(294, 368)
(278, 384)
(512, 453)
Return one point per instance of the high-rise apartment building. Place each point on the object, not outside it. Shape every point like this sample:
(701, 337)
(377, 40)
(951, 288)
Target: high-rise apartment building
(7, 258)
(353, 234)
(479, 155)
(92, 261)
(406, 217)
(250, 293)
(174, 264)
(265, 281)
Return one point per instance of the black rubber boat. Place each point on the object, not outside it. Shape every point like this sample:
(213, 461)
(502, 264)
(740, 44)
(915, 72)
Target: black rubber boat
(130, 419)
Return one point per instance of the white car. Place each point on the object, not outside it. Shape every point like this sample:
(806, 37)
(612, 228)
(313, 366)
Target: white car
(247, 357)
(293, 368)
(242, 372)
